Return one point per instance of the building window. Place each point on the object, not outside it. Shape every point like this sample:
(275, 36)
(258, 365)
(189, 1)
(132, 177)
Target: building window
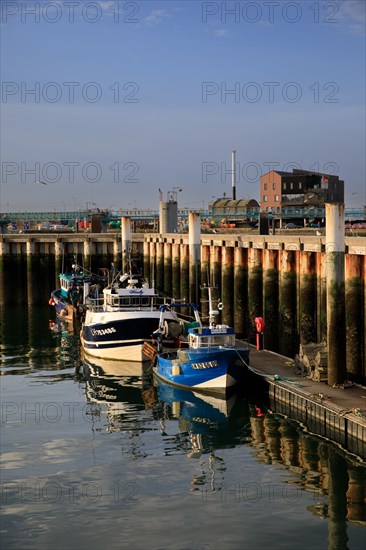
(291, 185)
(265, 198)
(300, 185)
(273, 186)
(276, 198)
(278, 209)
(284, 186)
(265, 187)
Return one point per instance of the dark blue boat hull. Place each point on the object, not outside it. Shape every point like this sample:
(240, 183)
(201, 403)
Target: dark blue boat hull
(213, 371)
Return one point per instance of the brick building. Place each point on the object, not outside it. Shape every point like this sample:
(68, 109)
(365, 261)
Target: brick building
(300, 194)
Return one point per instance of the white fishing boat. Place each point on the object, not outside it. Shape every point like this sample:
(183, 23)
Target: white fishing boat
(123, 318)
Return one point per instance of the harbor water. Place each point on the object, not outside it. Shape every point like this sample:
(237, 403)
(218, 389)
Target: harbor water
(92, 458)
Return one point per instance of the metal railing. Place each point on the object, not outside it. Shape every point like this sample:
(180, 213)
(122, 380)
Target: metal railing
(113, 302)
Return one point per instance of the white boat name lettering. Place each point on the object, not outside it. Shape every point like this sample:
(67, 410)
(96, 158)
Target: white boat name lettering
(101, 332)
(207, 365)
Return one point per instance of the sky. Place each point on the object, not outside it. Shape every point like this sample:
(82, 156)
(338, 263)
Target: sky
(107, 102)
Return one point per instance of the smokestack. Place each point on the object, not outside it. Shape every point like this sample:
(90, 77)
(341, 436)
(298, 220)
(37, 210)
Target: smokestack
(233, 174)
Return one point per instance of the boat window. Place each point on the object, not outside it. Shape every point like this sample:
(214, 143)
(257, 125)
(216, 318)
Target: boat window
(227, 340)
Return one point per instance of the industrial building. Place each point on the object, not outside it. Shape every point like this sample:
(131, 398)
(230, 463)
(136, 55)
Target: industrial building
(300, 195)
(240, 211)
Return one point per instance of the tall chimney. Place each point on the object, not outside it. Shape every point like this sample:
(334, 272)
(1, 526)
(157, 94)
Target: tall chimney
(233, 174)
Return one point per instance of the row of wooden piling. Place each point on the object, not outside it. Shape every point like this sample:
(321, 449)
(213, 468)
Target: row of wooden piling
(282, 279)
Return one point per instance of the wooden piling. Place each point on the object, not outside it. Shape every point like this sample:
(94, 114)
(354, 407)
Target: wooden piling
(59, 253)
(126, 241)
(336, 337)
(354, 316)
(152, 256)
(86, 256)
(205, 276)
(160, 265)
(255, 293)
(184, 272)
(270, 298)
(364, 318)
(176, 271)
(321, 297)
(33, 271)
(307, 298)
(146, 260)
(117, 257)
(288, 338)
(194, 238)
(227, 285)
(241, 292)
(168, 284)
(215, 271)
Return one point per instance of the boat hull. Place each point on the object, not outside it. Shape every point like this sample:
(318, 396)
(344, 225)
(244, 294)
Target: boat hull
(119, 336)
(213, 371)
(126, 352)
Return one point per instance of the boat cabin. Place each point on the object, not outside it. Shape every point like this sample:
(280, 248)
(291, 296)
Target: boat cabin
(214, 336)
(134, 296)
(74, 287)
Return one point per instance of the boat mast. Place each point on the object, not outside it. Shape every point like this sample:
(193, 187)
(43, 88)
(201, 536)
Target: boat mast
(212, 313)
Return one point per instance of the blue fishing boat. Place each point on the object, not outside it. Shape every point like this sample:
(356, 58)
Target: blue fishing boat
(212, 359)
(75, 287)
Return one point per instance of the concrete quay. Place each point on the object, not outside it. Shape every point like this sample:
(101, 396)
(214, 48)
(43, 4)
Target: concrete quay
(335, 413)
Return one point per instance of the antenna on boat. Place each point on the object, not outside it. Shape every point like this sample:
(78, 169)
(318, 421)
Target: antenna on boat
(212, 313)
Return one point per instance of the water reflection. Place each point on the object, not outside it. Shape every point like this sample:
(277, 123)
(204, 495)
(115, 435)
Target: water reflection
(123, 388)
(31, 345)
(202, 420)
(201, 427)
(317, 467)
(191, 456)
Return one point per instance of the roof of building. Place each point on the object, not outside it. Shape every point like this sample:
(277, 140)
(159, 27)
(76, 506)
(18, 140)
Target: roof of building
(300, 172)
(279, 172)
(239, 203)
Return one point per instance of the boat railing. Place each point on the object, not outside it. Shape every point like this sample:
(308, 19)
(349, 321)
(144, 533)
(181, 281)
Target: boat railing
(114, 302)
(95, 304)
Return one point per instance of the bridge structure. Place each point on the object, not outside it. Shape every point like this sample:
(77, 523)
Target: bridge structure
(77, 215)
(135, 214)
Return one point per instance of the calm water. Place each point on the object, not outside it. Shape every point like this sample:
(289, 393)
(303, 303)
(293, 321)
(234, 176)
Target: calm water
(92, 460)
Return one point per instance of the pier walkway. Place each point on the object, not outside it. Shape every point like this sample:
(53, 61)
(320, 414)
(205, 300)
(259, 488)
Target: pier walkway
(338, 414)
